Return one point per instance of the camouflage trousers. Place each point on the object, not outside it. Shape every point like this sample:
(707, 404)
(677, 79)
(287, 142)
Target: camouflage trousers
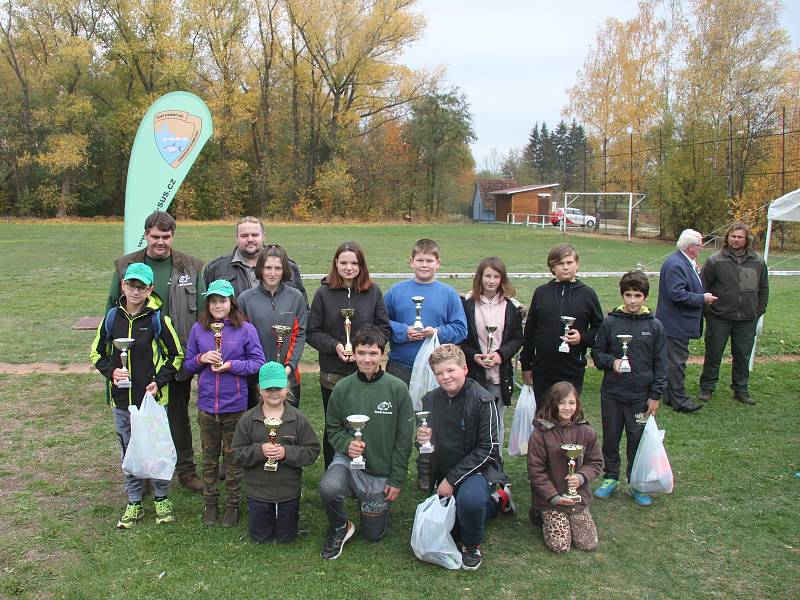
(216, 437)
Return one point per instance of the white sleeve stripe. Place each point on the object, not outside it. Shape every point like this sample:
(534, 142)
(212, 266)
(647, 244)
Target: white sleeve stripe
(493, 417)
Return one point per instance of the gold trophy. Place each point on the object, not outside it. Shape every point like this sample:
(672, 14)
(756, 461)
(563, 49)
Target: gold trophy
(358, 422)
(625, 364)
(272, 424)
(123, 345)
(487, 360)
(280, 332)
(568, 322)
(427, 447)
(418, 327)
(347, 313)
(217, 329)
(572, 451)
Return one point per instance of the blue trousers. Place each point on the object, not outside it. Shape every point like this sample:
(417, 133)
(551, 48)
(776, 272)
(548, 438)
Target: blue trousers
(474, 506)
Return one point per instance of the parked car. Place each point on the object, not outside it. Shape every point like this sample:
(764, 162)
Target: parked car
(575, 217)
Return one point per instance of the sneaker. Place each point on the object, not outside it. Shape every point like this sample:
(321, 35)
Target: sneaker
(744, 398)
(640, 498)
(231, 516)
(133, 513)
(164, 511)
(335, 540)
(608, 487)
(704, 395)
(505, 500)
(471, 557)
(210, 514)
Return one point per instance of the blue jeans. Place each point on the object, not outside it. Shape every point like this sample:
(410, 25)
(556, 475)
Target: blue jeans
(134, 487)
(474, 506)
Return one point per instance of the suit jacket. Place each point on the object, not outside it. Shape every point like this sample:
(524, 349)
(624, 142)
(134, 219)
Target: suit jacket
(680, 298)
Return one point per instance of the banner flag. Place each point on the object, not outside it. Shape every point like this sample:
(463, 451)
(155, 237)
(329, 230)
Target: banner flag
(170, 137)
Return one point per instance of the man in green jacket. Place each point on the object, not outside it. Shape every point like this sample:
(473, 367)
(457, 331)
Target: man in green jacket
(385, 445)
(738, 276)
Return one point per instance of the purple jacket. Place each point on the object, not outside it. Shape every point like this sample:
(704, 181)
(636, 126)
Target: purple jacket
(224, 392)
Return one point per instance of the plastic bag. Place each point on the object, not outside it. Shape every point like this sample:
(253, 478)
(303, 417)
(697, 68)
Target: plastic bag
(522, 425)
(651, 472)
(430, 537)
(422, 379)
(151, 452)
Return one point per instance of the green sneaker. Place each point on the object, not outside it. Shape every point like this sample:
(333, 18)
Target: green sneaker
(608, 487)
(133, 513)
(164, 511)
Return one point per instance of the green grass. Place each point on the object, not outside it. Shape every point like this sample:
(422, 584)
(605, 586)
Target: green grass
(54, 273)
(729, 529)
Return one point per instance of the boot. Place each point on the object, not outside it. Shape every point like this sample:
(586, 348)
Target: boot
(231, 517)
(210, 514)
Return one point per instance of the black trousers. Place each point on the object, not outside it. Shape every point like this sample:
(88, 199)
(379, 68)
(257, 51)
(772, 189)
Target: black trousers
(327, 449)
(181, 428)
(268, 521)
(742, 335)
(542, 384)
(677, 354)
(617, 417)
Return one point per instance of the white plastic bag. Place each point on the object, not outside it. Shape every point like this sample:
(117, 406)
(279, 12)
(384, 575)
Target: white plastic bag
(651, 472)
(422, 379)
(430, 537)
(522, 425)
(151, 452)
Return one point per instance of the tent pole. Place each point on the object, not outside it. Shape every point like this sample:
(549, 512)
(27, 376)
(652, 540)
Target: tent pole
(760, 324)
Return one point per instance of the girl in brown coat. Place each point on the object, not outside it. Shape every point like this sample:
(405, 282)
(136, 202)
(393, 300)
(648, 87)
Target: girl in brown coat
(560, 421)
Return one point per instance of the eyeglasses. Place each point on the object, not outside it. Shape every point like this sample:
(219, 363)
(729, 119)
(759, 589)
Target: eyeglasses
(139, 288)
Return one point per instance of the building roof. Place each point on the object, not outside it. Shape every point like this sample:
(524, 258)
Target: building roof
(488, 187)
(525, 188)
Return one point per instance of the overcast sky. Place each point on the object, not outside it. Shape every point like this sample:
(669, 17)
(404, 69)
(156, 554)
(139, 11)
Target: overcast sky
(515, 59)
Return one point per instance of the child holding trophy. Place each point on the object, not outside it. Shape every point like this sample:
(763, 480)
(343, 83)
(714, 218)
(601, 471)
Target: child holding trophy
(370, 422)
(465, 463)
(273, 442)
(346, 300)
(494, 333)
(631, 350)
(562, 323)
(279, 315)
(137, 349)
(563, 457)
(224, 349)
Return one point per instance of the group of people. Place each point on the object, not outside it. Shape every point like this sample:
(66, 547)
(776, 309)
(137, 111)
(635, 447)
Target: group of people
(241, 326)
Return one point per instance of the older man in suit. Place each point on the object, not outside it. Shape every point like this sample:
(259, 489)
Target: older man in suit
(681, 298)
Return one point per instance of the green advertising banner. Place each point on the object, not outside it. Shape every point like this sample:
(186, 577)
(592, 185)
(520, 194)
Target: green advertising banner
(170, 137)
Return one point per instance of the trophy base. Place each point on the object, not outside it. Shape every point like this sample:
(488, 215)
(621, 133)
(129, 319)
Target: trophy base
(358, 466)
(270, 466)
(416, 329)
(348, 352)
(573, 497)
(124, 385)
(488, 363)
(564, 348)
(624, 370)
(426, 449)
(219, 365)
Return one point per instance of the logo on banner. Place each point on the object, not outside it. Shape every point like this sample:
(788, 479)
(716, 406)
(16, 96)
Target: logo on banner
(176, 134)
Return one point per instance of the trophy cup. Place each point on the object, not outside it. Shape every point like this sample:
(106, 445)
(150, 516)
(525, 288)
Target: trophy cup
(280, 332)
(217, 329)
(427, 447)
(572, 451)
(123, 344)
(641, 417)
(625, 365)
(487, 360)
(418, 300)
(358, 422)
(347, 313)
(568, 322)
(272, 424)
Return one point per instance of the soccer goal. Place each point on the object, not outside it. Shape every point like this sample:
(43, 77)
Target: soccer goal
(617, 211)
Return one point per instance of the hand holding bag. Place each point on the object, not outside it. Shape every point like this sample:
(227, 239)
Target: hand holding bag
(151, 452)
(430, 537)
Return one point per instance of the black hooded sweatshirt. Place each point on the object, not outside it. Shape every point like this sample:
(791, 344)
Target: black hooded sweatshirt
(544, 329)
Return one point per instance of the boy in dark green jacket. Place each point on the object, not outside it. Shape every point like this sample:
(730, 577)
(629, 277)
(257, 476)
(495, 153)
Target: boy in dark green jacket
(385, 445)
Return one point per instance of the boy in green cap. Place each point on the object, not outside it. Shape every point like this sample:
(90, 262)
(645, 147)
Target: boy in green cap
(154, 355)
(273, 464)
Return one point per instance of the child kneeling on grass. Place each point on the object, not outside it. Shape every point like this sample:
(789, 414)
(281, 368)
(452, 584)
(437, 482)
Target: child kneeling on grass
(153, 360)
(273, 496)
(466, 462)
(560, 421)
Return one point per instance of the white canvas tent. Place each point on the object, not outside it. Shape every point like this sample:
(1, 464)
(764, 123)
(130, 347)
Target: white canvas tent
(785, 208)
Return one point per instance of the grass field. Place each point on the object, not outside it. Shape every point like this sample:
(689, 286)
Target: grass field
(729, 530)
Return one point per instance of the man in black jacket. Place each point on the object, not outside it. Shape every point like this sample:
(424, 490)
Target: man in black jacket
(238, 267)
(738, 276)
(466, 461)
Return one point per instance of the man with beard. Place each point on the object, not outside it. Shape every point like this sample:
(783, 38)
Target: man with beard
(238, 267)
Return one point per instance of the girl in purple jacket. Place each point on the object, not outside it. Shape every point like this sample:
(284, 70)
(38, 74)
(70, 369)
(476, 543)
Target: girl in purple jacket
(221, 390)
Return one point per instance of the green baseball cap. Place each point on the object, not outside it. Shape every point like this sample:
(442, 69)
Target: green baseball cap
(139, 271)
(272, 375)
(220, 287)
